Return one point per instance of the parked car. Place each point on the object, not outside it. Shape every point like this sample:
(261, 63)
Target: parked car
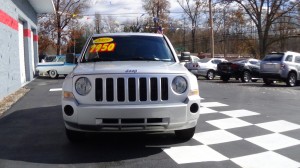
(281, 66)
(49, 58)
(245, 69)
(192, 58)
(206, 67)
(130, 82)
(59, 66)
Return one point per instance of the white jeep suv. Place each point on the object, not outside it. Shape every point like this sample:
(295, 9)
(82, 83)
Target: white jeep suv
(130, 82)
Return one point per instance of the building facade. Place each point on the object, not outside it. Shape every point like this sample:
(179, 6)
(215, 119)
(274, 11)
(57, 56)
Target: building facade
(19, 41)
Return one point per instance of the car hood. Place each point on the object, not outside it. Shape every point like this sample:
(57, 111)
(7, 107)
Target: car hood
(119, 67)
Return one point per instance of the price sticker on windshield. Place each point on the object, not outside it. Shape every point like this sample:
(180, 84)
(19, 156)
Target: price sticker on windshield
(107, 47)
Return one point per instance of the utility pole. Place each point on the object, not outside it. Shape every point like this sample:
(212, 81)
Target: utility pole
(184, 34)
(211, 30)
(224, 19)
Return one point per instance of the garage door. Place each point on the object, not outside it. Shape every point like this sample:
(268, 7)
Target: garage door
(21, 54)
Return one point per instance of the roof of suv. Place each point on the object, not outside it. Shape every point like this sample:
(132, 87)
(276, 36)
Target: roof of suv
(127, 34)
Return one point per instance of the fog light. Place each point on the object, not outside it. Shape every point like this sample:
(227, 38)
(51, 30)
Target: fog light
(68, 110)
(194, 108)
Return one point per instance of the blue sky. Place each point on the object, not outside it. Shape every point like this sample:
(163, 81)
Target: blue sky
(124, 10)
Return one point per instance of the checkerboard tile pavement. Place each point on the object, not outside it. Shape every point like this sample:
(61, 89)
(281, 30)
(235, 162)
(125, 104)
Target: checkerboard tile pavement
(231, 141)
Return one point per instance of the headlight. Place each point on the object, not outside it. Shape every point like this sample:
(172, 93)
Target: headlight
(179, 84)
(83, 86)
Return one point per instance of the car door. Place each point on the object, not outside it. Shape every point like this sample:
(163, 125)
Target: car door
(254, 66)
(215, 63)
(297, 63)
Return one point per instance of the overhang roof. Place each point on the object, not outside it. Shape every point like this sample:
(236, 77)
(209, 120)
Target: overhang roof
(42, 6)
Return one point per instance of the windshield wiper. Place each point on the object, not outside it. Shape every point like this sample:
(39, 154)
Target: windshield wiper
(142, 59)
(100, 59)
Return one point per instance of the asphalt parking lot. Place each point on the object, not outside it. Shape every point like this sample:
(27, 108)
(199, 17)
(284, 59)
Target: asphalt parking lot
(239, 123)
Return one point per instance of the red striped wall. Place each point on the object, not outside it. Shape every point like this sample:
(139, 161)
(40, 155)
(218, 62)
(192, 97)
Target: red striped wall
(8, 20)
(35, 38)
(27, 33)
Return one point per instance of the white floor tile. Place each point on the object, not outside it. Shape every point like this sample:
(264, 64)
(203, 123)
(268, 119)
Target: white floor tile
(204, 110)
(265, 160)
(279, 126)
(228, 123)
(215, 137)
(273, 141)
(239, 113)
(193, 154)
(55, 90)
(212, 104)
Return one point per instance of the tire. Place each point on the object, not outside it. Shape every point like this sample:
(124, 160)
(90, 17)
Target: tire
(246, 77)
(225, 78)
(53, 74)
(291, 80)
(210, 75)
(74, 136)
(185, 134)
(267, 81)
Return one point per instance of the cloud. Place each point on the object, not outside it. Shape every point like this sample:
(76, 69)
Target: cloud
(124, 10)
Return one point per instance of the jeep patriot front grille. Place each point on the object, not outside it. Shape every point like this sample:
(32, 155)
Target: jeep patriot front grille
(131, 89)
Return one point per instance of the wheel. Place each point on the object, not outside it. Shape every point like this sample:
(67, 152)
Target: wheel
(210, 75)
(246, 77)
(74, 136)
(225, 78)
(292, 79)
(267, 81)
(53, 74)
(185, 134)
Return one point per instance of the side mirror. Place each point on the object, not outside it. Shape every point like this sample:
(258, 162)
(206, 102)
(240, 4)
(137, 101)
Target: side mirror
(185, 57)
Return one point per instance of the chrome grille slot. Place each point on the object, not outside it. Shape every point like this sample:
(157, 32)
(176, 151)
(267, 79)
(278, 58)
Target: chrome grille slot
(110, 89)
(131, 89)
(99, 89)
(153, 85)
(121, 89)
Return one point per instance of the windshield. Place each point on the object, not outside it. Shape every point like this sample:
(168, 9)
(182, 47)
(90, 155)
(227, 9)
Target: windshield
(128, 48)
(273, 57)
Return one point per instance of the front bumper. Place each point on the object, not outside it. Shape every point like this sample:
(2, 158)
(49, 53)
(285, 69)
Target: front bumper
(131, 118)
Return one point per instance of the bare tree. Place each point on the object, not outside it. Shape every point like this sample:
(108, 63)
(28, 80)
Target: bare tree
(66, 12)
(192, 9)
(97, 22)
(158, 10)
(264, 14)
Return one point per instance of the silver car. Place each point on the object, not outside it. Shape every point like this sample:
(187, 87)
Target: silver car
(206, 67)
(281, 66)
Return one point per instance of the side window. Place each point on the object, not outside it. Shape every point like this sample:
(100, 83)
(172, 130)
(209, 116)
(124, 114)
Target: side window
(253, 62)
(289, 58)
(297, 59)
(216, 61)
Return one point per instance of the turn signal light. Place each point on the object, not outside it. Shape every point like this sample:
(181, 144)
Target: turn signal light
(194, 93)
(68, 94)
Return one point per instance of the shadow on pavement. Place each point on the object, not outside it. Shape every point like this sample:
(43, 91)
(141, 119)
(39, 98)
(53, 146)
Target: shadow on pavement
(38, 135)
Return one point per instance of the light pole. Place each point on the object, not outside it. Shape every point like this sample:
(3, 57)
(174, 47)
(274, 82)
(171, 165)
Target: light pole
(211, 30)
